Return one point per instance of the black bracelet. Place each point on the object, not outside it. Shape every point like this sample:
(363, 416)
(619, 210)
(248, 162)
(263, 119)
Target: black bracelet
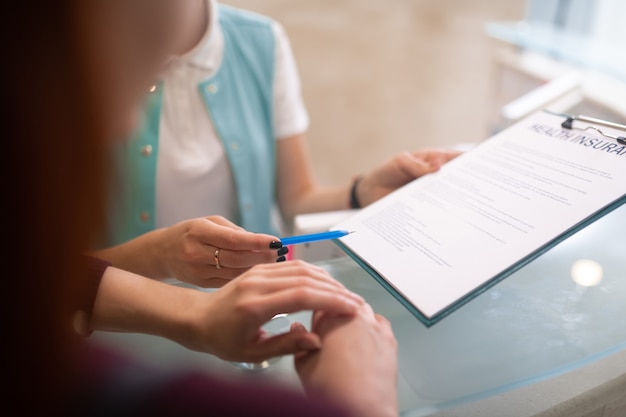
(354, 201)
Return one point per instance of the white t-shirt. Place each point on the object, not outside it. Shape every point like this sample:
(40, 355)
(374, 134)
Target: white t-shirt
(193, 174)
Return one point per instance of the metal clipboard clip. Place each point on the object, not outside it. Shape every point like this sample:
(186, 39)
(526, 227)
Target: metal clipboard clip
(570, 119)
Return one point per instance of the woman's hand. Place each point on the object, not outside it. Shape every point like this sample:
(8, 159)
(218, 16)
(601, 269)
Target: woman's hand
(357, 364)
(228, 321)
(400, 170)
(207, 252)
(210, 251)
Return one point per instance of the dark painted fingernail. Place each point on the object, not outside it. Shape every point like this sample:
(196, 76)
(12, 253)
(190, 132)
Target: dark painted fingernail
(276, 245)
(283, 251)
(281, 259)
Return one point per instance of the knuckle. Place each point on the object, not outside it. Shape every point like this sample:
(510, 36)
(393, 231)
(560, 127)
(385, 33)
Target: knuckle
(302, 293)
(248, 284)
(303, 282)
(303, 267)
(399, 158)
(247, 308)
(232, 238)
(187, 252)
(192, 226)
(299, 263)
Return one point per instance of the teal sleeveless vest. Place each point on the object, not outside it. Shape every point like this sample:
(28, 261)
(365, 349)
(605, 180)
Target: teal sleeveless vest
(239, 99)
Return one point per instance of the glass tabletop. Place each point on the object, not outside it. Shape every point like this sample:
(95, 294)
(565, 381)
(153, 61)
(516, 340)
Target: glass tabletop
(535, 324)
(562, 311)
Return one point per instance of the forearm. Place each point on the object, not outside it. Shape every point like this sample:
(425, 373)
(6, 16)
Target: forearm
(142, 255)
(316, 199)
(127, 302)
(298, 190)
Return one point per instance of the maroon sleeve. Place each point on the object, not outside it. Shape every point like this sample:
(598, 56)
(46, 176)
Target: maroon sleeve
(198, 395)
(121, 386)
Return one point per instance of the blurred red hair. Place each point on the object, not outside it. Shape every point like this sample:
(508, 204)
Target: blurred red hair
(53, 191)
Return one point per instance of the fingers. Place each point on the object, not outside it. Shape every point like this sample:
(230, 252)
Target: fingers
(437, 157)
(203, 272)
(266, 290)
(297, 327)
(272, 296)
(219, 232)
(297, 341)
(240, 258)
(294, 273)
(294, 299)
(419, 163)
(412, 165)
(296, 268)
(223, 221)
(322, 322)
(210, 277)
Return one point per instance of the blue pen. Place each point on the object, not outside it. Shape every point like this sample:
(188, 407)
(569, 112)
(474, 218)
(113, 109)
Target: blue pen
(333, 234)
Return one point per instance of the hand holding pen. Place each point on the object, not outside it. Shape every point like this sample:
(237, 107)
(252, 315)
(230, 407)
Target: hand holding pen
(206, 252)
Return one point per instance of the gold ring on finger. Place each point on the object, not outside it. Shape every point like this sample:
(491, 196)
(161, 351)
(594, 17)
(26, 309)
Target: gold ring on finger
(216, 258)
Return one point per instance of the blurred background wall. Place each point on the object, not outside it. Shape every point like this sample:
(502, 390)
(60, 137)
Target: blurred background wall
(380, 77)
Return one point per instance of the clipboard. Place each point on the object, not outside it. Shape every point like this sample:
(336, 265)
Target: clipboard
(420, 271)
(568, 123)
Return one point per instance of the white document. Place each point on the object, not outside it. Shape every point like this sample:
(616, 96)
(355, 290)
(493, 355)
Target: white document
(445, 236)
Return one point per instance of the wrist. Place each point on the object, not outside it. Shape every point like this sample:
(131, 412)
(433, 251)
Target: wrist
(188, 321)
(355, 201)
(159, 252)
